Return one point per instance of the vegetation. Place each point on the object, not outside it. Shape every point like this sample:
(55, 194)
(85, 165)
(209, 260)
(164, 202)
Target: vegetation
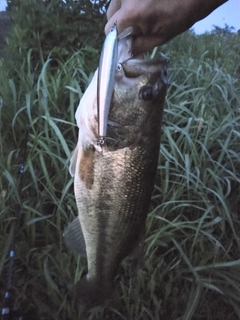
(191, 266)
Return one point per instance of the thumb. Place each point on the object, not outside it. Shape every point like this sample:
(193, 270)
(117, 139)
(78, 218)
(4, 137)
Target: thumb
(114, 6)
(142, 44)
(121, 24)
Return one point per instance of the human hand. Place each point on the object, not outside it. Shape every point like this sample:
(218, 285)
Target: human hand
(155, 22)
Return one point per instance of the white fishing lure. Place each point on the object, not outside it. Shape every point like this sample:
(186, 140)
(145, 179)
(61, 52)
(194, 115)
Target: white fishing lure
(105, 82)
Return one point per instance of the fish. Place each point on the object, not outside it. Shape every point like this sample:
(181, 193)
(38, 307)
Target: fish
(113, 182)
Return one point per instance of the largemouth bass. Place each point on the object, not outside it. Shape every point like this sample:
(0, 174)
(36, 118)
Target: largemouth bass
(113, 183)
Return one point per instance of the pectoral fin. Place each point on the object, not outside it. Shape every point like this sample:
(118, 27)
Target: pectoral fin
(74, 239)
(73, 162)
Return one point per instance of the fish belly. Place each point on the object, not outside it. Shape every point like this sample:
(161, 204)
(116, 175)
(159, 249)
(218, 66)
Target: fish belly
(113, 206)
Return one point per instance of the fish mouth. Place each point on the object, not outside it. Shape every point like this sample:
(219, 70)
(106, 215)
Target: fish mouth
(137, 72)
(136, 67)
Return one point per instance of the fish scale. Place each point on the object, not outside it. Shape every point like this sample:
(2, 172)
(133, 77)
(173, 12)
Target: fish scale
(114, 201)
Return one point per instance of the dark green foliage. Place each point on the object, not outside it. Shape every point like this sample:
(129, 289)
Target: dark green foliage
(5, 24)
(210, 47)
(54, 27)
(190, 268)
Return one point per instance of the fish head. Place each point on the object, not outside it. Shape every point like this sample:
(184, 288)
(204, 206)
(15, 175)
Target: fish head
(138, 100)
(137, 73)
(139, 92)
(143, 80)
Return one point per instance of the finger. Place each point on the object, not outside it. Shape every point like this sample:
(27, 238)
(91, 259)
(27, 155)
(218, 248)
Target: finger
(114, 6)
(121, 24)
(142, 44)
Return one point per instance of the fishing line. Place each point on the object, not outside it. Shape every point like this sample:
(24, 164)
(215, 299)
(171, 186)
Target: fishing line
(6, 312)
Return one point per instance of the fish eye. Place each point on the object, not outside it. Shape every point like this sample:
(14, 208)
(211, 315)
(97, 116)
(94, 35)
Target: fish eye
(146, 93)
(119, 66)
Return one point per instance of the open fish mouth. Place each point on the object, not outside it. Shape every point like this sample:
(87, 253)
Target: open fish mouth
(135, 66)
(130, 71)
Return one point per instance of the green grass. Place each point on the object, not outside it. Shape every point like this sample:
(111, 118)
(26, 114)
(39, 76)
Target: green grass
(190, 268)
